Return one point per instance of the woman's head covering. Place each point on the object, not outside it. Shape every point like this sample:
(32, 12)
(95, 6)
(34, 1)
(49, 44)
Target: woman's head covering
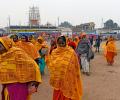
(53, 42)
(65, 71)
(41, 38)
(7, 42)
(16, 66)
(26, 38)
(110, 38)
(76, 38)
(15, 38)
(31, 37)
(72, 44)
(41, 43)
(83, 35)
(69, 40)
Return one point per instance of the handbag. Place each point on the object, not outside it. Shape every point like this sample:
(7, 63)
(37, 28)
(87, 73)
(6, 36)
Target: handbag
(90, 54)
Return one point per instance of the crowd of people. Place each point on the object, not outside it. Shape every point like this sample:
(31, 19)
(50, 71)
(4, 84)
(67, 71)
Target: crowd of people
(23, 61)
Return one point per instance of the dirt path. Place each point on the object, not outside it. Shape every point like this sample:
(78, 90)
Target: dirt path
(102, 84)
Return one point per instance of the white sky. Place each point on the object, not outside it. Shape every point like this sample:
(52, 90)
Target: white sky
(74, 11)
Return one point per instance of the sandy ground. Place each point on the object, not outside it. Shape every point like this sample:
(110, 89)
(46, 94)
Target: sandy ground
(102, 84)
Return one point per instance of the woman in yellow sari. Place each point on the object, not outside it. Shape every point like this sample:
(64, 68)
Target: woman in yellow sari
(28, 47)
(15, 39)
(110, 50)
(64, 70)
(19, 74)
(42, 48)
(32, 39)
(76, 40)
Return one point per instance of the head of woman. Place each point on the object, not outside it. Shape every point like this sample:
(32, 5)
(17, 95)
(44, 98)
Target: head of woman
(40, 40)
(2, 48)
(111, 38)
(15, 38)
(31, 37)
(5, 44)
(69, 40)
(24, 38)
(61, 41)
(76, 39)
(53, 42)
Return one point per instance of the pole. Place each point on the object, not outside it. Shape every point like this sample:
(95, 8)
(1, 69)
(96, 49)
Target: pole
(9, 23)
(102, 25)
(58, 21)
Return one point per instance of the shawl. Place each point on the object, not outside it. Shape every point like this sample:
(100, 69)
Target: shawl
(65, 72)
(29, 48)
(43, 44)
(16, 65)
(111, 47)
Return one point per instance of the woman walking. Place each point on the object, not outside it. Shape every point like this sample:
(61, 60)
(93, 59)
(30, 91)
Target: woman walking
(110, 50)
(64, 70)
(19, 73)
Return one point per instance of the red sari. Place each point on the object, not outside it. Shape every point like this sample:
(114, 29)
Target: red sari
(72, 44)
(110, 57)
(58, 95)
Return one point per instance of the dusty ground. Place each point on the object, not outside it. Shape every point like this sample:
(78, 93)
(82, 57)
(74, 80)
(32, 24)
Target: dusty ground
(102, 84)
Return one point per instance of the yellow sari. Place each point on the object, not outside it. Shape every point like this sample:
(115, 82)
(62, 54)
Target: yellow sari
(29, 48)
(16, 66)
(65, 72)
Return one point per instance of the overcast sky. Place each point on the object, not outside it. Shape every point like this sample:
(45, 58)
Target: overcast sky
(74, 11)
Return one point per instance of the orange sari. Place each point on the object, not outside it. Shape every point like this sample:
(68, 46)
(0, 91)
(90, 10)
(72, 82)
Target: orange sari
(29, 48)
(65, 75)
(110, 57)
(76, 41)
(42, 45)
(16, 67)
(110, 52)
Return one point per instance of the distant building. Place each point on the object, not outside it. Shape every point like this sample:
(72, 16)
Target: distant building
(87, 27)
(76, 29)
(110, 24)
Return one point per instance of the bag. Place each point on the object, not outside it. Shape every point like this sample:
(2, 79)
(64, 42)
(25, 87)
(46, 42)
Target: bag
(95, 45)
(90, 54)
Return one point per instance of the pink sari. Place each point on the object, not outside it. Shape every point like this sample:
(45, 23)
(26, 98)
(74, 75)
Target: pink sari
(17, 91)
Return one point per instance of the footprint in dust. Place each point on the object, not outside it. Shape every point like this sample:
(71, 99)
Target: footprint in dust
(112, 71)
